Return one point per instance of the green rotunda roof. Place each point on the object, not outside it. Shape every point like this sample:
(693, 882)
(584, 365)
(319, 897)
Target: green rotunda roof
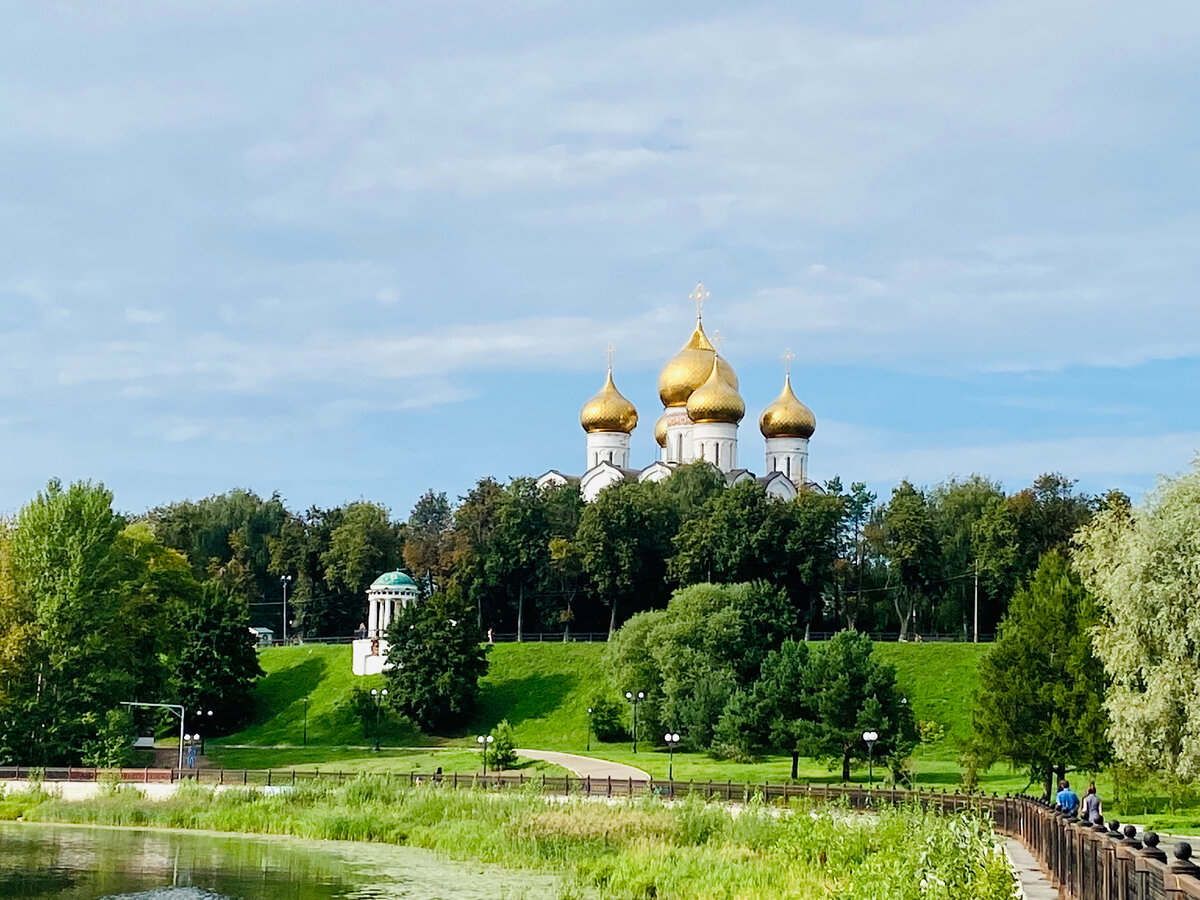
(393, 579)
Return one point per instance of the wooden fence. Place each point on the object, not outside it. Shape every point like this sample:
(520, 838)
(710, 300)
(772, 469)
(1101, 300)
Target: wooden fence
(1084, 861)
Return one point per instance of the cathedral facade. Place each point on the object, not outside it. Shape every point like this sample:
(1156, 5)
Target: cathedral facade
(702, 410)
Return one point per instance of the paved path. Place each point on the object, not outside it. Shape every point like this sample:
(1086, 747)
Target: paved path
(1034, 883)
(586, 766)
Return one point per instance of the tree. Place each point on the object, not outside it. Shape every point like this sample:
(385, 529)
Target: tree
(1143, 565)
(851, 567)
(817, 700)
(503, 751)
(426, 545)
(317, 609)
(218, 663)
(474, 522)
(365, 544)
(87, 608)
(911, 548)
(625, 538)
(955, 507)
(1040, 703)
(437, 658)
(518, 554)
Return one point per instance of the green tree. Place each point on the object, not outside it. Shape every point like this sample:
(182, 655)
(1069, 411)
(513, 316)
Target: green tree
(437, 658)
(518, 554)
(911, 547)
(1143, 566)
(503, 751)
(218, 663)
(365, 544)
(624, 538)
(817, 700)
(87, 608)
(955, 507)
(1040, 703)
(427, 539)
(470, 541)
(316, 608)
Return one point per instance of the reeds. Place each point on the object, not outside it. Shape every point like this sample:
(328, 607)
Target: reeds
(630, 849)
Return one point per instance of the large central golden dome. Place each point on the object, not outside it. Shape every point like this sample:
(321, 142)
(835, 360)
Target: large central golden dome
(785, 416)
(689, 368)
(608, 411)
(716, 400)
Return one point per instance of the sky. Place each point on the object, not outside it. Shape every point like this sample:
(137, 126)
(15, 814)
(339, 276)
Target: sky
(358, 250)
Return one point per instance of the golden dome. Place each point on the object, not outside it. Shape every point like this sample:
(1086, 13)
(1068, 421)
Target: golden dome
(785, 416)
(716, 400)
(608, 411)
(660, 431)
(688, 369)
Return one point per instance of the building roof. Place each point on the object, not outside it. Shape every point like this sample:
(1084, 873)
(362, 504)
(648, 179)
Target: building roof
(393, 579)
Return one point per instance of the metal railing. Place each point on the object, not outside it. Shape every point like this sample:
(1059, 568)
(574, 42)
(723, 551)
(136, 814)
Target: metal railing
(536, 637)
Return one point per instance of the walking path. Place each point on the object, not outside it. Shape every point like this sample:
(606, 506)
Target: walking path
(1034, 883)
(586, 766)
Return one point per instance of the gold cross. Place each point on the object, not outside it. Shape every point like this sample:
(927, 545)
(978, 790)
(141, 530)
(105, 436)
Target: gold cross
(698, 296)
(787, 358)
(609, 351)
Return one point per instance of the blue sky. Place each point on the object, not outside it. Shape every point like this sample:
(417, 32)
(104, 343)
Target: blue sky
(347, 250)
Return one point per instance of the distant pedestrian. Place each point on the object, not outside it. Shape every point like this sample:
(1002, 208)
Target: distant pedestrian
(1068, 800)
(362, 630)
(437, 776)
(1091, 804)
(491, 636)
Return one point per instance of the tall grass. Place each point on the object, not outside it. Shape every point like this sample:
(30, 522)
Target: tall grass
(632, 849)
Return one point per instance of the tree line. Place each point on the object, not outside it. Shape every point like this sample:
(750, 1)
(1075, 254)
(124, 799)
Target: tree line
(528, 559)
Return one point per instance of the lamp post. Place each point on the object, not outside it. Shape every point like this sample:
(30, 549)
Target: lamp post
(589, 726)
(635, 699)
(174, 708)
(871, 737)
(305, 721)
(484, 741)
(200, 714)
(672, 740)
(377, 696)
(284, 581)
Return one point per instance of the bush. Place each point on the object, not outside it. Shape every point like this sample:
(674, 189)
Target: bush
(504, 747)
(607, 718)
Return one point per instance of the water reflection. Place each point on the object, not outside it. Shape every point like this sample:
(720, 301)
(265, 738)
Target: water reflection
(72, 863)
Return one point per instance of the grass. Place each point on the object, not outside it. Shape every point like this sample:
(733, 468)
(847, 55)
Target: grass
(633, 849)
(359, 761)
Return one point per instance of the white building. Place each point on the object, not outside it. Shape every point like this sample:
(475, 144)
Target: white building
(702, 410)
(388, 592)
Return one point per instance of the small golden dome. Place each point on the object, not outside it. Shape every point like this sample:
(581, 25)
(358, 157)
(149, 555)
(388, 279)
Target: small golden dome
(785, 416)
(608, 411)
(716, 400)
(688, 369)
(660, 431)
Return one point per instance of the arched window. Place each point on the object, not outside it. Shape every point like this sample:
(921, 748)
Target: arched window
(717, 451)
(789, 467)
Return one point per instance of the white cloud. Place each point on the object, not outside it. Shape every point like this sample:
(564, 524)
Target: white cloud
(136, 316)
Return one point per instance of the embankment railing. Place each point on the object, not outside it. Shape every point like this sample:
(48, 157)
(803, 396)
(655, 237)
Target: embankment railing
(1084, 861)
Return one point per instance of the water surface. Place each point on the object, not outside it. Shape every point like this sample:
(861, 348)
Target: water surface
(83, 863)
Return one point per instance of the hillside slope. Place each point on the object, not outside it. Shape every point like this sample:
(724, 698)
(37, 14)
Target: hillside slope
(544, 690)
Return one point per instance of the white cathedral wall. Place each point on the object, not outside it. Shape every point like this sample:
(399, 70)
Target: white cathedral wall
(716, 442)
(680, 444)
(608, 446)
(788, 455)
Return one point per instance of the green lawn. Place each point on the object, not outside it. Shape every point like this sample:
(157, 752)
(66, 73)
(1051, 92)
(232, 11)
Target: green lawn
(544, 690)
(359, 760)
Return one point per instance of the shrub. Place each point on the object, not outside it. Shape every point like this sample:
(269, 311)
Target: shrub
(608, 723)
(504, 747)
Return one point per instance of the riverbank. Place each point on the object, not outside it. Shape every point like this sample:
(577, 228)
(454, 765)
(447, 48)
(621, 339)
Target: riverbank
(633, 849)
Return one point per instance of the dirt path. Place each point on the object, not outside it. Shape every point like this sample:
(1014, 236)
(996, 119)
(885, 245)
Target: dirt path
(586, 766)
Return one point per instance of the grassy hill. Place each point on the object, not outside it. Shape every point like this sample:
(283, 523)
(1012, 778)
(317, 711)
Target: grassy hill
(543, 690)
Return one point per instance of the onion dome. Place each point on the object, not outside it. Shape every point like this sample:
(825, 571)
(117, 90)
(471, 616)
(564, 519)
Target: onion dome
(608, 411)
(716, 400)
(785, 416)
(660, 431)
(689, 368)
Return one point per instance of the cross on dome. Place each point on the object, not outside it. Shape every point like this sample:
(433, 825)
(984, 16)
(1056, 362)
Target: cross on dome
(718, 339)
(608, 352)
(787, 358)
(698, 296)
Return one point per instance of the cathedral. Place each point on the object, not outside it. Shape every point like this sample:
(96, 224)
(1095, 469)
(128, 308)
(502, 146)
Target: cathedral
(702, 409)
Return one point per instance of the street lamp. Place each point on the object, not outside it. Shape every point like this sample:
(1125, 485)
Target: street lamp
(672, 740)
(484, 741)
(871, 737)
(377, 696)
(200, 714)
(589, 737)
(174, 708)
(284, 581)
(635, 699)
(305, 721)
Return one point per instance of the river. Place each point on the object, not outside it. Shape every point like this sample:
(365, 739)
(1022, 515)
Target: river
(85, 863)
